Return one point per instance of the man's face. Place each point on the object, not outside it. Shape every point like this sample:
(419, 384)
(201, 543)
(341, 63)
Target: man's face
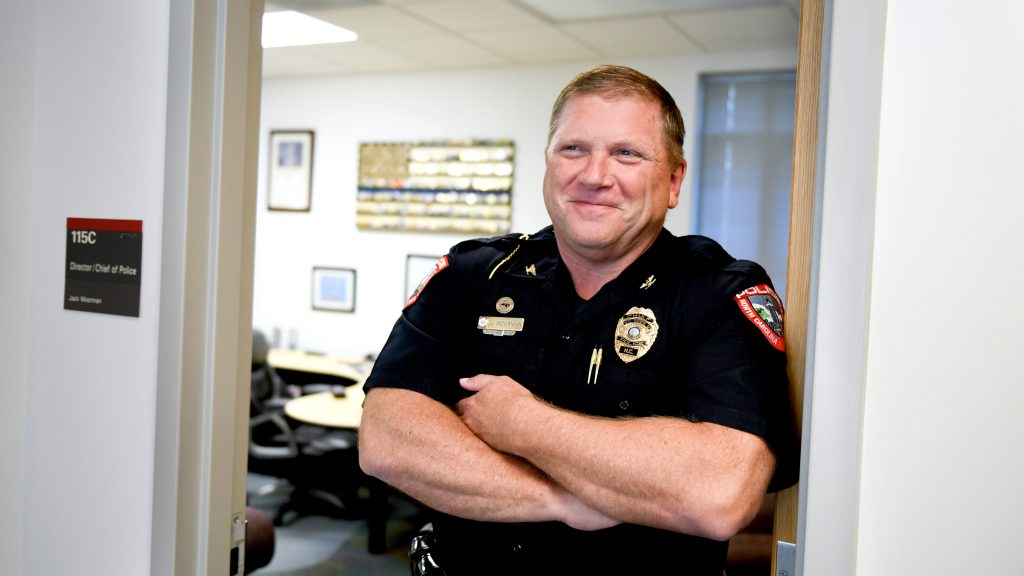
(609, 180)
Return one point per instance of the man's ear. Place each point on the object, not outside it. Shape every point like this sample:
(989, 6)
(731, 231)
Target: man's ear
(675, 183)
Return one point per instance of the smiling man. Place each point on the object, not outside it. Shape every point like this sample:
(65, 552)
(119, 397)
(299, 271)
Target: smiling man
(596, 398)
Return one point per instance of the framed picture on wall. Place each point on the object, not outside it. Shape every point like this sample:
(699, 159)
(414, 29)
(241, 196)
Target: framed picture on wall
(290, 184)
(334, 289)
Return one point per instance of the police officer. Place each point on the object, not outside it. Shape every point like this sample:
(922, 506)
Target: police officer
(601, 397)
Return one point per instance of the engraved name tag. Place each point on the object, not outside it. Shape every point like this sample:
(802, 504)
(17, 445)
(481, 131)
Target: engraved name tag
(500, 325)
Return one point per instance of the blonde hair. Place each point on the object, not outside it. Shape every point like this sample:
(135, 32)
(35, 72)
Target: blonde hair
(620, 81)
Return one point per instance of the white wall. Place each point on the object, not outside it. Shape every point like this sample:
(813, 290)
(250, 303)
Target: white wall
(837, 348)
(942, 467)
(17, 68)
(508, 103)
(94, 139)
(916, 401)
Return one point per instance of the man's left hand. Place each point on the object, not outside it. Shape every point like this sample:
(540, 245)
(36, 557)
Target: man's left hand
(499, 410)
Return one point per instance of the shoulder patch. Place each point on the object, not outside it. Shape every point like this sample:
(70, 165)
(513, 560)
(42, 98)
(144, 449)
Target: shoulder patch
(441, 264)
(761, 305)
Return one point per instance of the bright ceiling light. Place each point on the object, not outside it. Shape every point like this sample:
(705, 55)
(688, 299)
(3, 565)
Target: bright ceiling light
(291, 28)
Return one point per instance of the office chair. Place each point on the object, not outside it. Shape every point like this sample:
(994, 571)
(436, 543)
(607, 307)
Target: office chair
(315, 467)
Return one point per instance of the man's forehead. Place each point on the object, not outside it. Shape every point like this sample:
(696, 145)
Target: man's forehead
(612, 97)
(577, 118)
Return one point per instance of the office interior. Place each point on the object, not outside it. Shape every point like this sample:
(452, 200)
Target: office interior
(503, 102)
(913, 405)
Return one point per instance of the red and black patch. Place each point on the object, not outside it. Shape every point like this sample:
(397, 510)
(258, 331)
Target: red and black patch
(441, 264)
(761, 305)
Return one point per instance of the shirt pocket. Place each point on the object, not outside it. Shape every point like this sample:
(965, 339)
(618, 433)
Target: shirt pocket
(622, 391)
(515, 356)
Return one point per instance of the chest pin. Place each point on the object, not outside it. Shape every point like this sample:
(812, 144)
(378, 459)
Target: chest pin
(504, 305)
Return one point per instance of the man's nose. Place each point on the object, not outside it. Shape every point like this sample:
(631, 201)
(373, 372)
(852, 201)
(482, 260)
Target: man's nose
(595, 174)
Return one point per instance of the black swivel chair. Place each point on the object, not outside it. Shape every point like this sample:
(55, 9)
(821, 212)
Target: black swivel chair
(310, 463)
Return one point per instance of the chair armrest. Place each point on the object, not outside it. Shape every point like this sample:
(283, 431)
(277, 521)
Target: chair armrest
(289, 450)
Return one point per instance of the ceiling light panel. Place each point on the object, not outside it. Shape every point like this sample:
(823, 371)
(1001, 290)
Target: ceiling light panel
(291, 28)
(372, 22)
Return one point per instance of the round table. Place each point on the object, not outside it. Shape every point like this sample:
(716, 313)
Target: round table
(326, 409)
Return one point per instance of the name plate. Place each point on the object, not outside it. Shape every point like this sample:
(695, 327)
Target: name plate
(500, 325)
(103, 272)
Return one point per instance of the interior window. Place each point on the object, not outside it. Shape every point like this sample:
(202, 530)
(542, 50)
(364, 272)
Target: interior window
(745, 148)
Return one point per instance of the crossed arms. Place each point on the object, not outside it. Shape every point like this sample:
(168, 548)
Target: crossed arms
(505, 456)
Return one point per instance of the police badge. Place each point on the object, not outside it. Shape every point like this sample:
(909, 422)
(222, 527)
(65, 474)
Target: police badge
(635, 333)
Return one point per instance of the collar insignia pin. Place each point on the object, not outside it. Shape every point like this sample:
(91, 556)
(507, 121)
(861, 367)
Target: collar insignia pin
(647, 283)
(531, 270)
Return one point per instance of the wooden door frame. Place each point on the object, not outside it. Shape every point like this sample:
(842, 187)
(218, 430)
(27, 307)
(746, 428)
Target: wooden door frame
(801, 238)
(206, 333)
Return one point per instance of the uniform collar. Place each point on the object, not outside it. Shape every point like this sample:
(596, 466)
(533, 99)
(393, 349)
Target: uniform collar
(639, 277)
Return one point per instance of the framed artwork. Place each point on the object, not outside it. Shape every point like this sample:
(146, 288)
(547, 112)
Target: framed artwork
(290, 185)
(460, 186)
(417, 268)
(334, 289)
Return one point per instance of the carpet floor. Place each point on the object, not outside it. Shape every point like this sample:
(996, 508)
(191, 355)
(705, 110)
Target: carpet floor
(321, 545)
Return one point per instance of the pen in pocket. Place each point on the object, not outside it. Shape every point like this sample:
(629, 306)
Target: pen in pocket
(595, 365)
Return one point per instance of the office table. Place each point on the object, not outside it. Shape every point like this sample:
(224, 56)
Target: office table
(327, 410)
(313, 367)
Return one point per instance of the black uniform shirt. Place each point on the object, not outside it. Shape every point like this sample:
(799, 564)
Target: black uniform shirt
(685, 331)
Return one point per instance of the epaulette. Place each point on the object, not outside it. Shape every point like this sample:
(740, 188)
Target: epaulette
(522, 237)
(704, 250)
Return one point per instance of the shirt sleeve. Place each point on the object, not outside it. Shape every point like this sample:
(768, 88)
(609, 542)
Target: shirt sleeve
(418, 354)
(735, 374)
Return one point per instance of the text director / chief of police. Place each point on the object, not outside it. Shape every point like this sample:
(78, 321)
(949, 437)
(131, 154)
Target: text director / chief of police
(601, 395)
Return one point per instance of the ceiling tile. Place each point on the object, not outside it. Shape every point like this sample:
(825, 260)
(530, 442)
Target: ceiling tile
(287, 62)
(350, 57)
(740, 29)
(529, 45)
(632, 37)
(365, 56)
(475, 15)
(398, 35)
(565, 11)
(407, 2)
(442, 50)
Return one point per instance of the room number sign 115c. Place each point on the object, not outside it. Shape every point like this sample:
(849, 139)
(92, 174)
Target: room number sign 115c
(103, 269)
